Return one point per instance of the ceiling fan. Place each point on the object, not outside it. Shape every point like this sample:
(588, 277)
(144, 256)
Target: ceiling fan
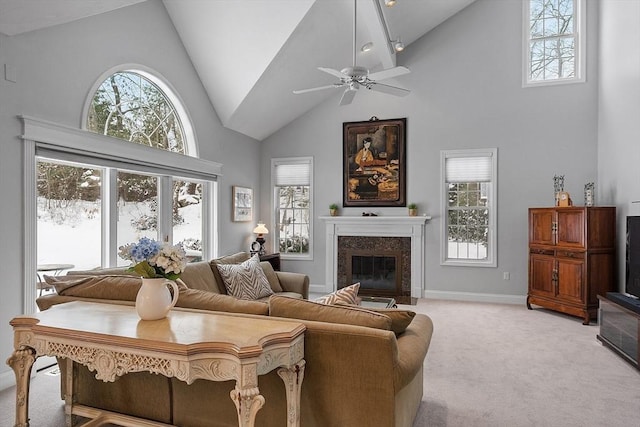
(354, 77)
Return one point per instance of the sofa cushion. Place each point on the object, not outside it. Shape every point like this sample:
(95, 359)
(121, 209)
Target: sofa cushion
(272, 277)
(236, 258)
(346, 295)
(114, 287)
(400, 319)
(205, 300)
(281, 306)
(246, 280)
(198, 275)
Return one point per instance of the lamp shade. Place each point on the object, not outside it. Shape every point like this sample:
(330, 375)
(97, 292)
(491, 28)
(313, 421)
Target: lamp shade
(261, 229)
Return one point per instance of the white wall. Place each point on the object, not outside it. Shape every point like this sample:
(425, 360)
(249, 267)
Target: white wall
(56, 68)
(619, 110)
(466, 93)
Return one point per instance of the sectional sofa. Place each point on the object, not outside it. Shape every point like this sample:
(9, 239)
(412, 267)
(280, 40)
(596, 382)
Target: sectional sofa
(363, 367)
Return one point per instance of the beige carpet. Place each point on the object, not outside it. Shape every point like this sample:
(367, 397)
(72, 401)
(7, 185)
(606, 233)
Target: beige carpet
(503, 365)
(488, 365)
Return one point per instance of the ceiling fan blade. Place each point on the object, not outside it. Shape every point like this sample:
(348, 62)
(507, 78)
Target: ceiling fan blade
(391, 90)
(348, 96)
(313, 89)
(333, 72)
(389, 73)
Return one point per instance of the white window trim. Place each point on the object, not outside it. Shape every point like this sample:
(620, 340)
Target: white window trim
(47, 134)
(492, 255)
(274, 215)
(581, 54)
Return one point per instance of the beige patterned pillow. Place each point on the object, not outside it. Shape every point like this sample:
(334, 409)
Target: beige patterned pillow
(346, 295)
(246, 280)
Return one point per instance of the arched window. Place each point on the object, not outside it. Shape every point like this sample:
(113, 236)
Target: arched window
(134, 172)
(129, 106)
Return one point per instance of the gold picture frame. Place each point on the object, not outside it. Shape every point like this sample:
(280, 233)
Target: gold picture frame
(374, 163)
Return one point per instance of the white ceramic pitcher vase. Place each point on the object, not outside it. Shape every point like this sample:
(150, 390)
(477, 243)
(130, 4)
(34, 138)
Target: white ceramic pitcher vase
(154, 300)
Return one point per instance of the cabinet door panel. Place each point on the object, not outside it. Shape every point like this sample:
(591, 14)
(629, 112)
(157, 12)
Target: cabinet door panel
(571, 280)
(541, 226)
(541, 275)
(571, 228)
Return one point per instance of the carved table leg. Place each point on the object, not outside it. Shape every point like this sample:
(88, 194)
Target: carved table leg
(246, 396)
(248, 402)
(21, 361)
(292, 378)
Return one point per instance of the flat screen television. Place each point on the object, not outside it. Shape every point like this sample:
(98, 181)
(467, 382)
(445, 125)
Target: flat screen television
(632, 282)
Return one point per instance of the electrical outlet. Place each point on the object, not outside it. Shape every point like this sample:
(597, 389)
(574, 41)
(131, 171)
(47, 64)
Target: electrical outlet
(505, 275)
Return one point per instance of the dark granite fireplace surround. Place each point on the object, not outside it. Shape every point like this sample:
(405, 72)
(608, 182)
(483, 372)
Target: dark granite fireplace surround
(392, 247)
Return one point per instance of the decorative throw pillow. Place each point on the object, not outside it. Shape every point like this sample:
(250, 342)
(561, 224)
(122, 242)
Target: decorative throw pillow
(346, 295)
(236, 258)
(246, 280)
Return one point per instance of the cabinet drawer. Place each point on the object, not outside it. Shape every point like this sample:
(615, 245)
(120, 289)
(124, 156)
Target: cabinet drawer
(540, 251)
(570, 254)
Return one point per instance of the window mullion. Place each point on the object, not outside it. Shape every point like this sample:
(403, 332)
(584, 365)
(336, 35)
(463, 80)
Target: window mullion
(110, 217)
(165, 209)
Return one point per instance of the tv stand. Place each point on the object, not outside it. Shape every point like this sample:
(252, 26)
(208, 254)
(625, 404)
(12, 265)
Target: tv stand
(620, 327)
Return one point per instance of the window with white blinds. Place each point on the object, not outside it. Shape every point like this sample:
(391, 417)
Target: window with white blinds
(469, 207)
(292, 182)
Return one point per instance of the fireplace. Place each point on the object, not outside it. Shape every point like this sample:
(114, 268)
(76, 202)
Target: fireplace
(382, 265)
(400, 237)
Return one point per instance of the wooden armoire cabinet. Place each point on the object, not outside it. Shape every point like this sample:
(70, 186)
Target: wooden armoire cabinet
(572, 258)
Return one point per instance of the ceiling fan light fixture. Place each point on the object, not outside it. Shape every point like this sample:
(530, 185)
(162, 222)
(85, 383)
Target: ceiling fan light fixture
(389, 3)
(366, 47)
(398, 46)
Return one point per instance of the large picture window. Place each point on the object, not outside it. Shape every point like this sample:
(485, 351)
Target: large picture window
(292, 187)
(554, 41)
(135, 174)
(469, 207)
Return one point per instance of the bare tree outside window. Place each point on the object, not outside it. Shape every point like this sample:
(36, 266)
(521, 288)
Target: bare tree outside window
(130, 107)
(552, 40)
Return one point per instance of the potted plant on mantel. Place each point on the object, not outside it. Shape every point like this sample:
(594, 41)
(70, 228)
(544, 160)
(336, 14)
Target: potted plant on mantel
(413, 209)
(333, 209)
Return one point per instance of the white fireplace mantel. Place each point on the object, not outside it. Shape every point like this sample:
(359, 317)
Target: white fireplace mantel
(377, 226)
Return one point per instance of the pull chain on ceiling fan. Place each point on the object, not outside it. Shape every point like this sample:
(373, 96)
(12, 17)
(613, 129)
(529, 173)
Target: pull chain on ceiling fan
(354, 77)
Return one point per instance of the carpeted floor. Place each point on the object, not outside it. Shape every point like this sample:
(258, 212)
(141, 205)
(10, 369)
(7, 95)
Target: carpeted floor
(488, 365)
(503, 365)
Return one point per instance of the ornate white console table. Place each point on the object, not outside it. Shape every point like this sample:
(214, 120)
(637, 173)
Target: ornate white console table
(188, 345)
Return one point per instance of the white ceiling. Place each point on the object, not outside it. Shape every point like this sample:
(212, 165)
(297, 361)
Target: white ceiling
(251, 54)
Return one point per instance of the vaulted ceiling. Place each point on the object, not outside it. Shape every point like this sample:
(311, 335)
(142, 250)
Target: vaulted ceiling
(252, 54)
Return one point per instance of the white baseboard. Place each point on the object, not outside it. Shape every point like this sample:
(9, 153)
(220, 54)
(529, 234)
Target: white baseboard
(474, 297)
(318, 289)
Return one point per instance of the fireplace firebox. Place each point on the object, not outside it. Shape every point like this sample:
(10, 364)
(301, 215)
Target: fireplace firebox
(378, 274)
(382, 265)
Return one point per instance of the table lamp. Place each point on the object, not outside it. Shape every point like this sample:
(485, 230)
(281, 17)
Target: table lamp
(260, 230)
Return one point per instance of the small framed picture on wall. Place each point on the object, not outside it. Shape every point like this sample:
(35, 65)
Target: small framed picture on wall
(242, 204)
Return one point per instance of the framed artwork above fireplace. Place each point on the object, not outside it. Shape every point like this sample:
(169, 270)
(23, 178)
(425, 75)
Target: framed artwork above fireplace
(374, 163)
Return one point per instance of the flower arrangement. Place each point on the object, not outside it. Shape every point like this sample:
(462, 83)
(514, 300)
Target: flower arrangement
(153, 259)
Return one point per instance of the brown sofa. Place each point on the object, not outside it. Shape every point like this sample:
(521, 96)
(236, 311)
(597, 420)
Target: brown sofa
(359, 372)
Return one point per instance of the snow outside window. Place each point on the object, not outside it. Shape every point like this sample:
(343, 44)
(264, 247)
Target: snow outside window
(292, 180)
(469, 207)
